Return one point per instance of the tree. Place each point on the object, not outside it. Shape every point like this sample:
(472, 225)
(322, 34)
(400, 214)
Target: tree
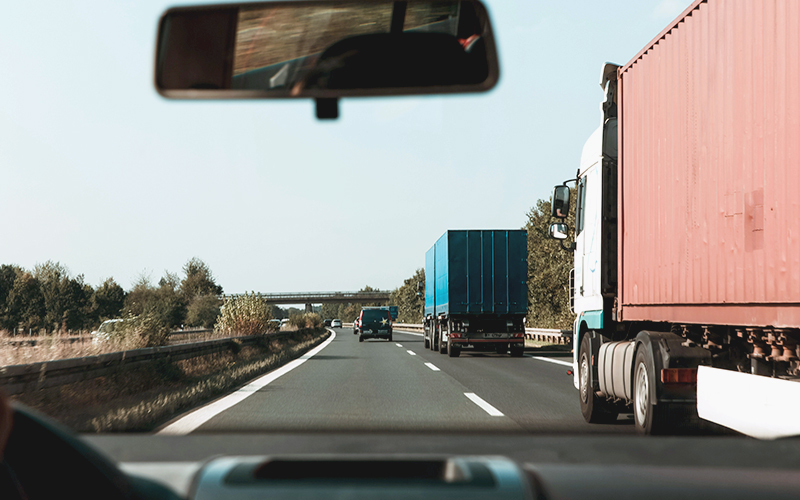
(108, 301)
(203, 311)
(410, 307)
(24, 305)
(548, 270)
(164, 303)
(8, 274)
(198, 280)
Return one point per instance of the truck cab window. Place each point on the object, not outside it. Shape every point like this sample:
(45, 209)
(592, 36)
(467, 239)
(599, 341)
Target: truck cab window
(579, 210)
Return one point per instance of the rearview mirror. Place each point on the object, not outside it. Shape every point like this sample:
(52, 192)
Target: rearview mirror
(558, 231)
(325, 49)
(559, 204)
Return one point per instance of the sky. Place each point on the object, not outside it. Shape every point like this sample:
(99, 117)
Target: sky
(101, 174)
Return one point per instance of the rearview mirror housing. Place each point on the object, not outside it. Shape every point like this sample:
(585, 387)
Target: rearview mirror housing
(325, 49)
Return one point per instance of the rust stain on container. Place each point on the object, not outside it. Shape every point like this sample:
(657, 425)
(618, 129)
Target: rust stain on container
(709, 192)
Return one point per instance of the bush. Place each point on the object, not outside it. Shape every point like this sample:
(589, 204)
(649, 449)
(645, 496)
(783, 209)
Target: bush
(306, 320)
(246, 314)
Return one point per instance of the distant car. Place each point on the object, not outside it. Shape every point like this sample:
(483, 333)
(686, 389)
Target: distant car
(284, 321)
(337, 323)
(275, 322)
(109, 328)
(327, 322)
(374, 323)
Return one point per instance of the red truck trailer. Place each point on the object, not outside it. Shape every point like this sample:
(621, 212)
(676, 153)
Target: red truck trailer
(687, 246)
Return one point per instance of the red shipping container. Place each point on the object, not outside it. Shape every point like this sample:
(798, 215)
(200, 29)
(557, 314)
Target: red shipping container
(709, 170)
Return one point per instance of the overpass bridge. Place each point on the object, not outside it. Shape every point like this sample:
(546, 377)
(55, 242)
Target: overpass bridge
(309, 298)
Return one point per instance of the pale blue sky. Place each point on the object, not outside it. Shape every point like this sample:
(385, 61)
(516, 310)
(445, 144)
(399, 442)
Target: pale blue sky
(100, 173)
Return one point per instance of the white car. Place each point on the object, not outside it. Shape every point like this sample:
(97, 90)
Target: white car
(337, 323)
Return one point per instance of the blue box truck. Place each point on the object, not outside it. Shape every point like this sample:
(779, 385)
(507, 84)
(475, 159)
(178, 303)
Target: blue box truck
(476, 291)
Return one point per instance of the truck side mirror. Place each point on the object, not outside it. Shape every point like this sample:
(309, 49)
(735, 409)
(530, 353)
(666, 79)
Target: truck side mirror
(559, 204)
(558, 231)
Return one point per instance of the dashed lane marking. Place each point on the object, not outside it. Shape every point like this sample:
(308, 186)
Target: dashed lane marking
(552, 360)
(491, 410)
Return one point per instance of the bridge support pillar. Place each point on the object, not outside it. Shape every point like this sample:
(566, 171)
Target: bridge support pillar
(309, 308)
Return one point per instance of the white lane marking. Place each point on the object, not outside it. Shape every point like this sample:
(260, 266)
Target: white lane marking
(491, 410)
(399, 345)
(411, 353)
(432, 367)
(409, 333)
(202, 415)
(551, 360)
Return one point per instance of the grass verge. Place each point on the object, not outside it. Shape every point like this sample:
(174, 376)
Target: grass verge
(141, 400)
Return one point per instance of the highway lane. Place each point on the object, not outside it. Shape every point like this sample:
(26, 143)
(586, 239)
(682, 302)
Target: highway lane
(401, 386)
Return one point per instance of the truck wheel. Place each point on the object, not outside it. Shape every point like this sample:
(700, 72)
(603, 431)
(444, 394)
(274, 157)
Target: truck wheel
(517, 350)
(594, 409)
(360, 338)
(427, 343)
(434, 337)
(442, 344)
(649, 418)
(389, 338)
(502, 348)
(453, 350)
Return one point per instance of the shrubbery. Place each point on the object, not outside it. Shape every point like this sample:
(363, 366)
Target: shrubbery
(247, 314)
(306, 320)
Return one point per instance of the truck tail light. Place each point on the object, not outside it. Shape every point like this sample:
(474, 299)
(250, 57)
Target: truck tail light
(519, 335)
(455, 335)
(679, 375)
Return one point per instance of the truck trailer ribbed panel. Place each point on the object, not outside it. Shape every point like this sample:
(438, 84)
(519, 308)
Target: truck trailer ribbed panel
(709, 169)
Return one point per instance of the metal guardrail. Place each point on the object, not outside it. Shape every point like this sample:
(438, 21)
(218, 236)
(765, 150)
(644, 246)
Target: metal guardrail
(563, 337)
(16, 379)
(317, 297)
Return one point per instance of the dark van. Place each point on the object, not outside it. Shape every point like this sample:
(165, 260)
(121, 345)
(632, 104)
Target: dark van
(374, 323)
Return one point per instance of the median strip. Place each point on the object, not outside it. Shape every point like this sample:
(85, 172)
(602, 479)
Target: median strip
(491, 410)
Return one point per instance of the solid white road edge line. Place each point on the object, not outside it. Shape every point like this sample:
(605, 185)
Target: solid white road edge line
(411, 353)
(432, 367)
(195, 419)
(551, 360)
(491, 410)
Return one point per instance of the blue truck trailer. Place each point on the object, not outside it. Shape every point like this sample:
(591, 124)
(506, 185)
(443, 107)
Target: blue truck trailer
(476, 291)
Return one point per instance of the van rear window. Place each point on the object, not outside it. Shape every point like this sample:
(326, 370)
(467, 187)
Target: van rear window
(375, 314)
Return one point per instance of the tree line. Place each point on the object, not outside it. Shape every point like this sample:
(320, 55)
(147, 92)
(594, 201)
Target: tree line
(49, 299)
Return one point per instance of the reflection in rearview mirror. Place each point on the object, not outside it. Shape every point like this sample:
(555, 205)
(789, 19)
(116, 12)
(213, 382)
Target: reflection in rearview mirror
(559, 204)
(325, 49)
(558, 231)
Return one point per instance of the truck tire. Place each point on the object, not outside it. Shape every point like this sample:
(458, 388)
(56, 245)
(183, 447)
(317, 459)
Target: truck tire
(502, 348)
(427, 342)
(517, 350)
(389, 338)
(434, 337)
(442, 343)
(594, 409)
(360, 338)
(453, 350)
(648, 418)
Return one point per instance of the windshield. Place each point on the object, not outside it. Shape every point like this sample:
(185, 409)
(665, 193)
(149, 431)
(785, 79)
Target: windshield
(138, 224)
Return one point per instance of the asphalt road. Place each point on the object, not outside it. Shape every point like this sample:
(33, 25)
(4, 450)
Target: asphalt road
(401, 386)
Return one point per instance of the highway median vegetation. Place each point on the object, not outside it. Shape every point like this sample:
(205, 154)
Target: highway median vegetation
(141, 399)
